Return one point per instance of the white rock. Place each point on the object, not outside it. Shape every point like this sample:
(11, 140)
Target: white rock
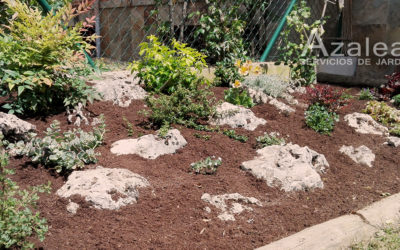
(150, 146)
(289, 167)
(361, 155)
(72, 207)
(99, 185)
(394, 141)
(120, 87)
(258, 96)
(236, 117)
(227, 208)
(365, 124)
(14, 128)
(282, 107)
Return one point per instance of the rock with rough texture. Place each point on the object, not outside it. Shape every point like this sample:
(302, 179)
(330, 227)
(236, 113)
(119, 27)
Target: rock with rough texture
(258, 96)
(365, 124)
(14, 128)
(393, 141)
(230, 205)
(72, 207)
(104, 188)
(150, 146)
(361, 155)
(282, 107)
(236, 117)
(119, 87)
(290, 167)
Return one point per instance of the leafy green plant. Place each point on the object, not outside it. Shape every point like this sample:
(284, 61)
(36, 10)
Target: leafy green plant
(395, 130)
(269, 84)
(238, 96)
(365, 94)
(129, 126)
(232, 134)
(18, 223)
(162, 69)
(207, 166)
(269, 140)
(184, 106)
(298, 56)
(65, 151)
(320, 119)
(221, 31)
(200, 136)
(42, 59)
(383, 113)
(396, 100)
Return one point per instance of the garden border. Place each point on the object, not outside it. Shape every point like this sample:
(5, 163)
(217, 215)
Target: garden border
(342, 232)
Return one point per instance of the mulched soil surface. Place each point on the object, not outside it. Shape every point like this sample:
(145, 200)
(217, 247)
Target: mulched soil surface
(170, 214)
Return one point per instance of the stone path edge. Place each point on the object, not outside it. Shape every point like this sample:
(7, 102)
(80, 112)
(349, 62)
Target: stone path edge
(342, 232)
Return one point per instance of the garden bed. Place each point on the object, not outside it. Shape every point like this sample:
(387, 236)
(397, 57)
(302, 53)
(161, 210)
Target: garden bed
(170, 214)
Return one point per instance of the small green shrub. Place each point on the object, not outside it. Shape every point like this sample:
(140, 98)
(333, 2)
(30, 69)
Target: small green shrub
(206, 166)
(63, 151)
(232, 134)
(270, 85)
(41, 60)
(18, 223)
(184, 106)
(238, 96)
(163, 69)
(320, 119)
(365, 94)
(396, 100)
(269, 140)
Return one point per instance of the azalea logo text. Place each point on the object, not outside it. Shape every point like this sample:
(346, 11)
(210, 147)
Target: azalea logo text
(352, 53)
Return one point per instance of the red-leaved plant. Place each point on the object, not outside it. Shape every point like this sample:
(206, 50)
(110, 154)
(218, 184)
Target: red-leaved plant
(391, 88)
(326, 96)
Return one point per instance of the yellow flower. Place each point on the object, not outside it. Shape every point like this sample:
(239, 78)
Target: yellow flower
(244, 70)
(257, 70)
(237, 84)
(238, 63)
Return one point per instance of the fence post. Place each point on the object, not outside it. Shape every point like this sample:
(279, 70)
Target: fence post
(277, 32)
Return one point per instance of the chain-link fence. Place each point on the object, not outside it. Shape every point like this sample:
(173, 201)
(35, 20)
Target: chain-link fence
(123, 24)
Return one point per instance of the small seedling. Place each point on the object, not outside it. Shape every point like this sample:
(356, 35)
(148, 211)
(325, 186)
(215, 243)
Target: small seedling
(366, 94)
(206, 166)
(269, 140)
(129, 126)
(200, 136)
(232, 134)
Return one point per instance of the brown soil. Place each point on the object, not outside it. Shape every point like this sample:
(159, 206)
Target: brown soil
(170, 214)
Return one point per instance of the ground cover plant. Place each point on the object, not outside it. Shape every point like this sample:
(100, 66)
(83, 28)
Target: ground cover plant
(269, 140)
(207, 166)
(270, 85)
(383, 113)
(320, 119)
(387, 238)
(63, 151)
(366, 94)
(18, 221)
(233, 135)
(40, 70)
